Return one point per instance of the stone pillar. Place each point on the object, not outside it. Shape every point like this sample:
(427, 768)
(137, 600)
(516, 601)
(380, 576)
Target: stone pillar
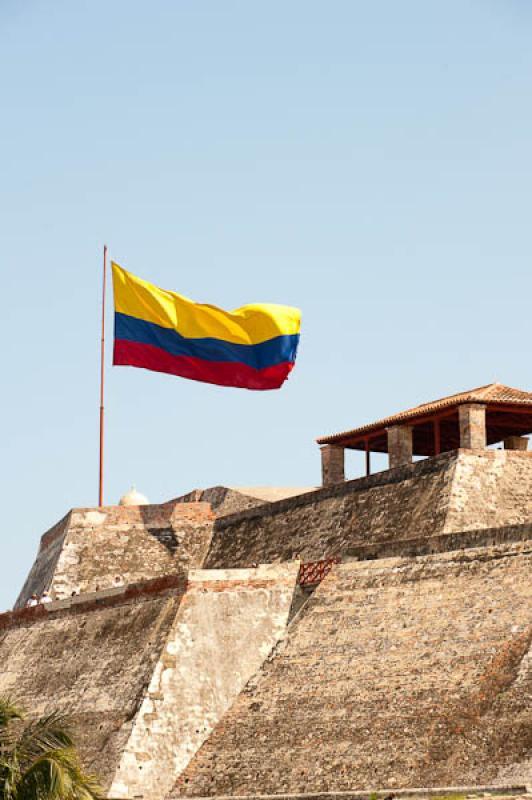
(472, 418)
(516, 443)
(399, 445)
(332, 464)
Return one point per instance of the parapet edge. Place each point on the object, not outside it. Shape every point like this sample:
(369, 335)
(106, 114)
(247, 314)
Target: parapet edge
(440, 543)
(262, 576)
(94, 601)
(92, 517)
(390, 476)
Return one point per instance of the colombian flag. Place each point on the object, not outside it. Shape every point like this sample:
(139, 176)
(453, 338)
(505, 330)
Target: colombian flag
(253, 347)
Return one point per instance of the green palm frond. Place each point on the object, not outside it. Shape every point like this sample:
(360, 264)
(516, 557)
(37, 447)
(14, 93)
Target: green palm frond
(43, 735)
(9, 778)
(38, 759)
(9, 711)
(57, 775)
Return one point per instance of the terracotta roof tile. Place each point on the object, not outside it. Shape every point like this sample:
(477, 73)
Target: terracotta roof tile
(493, 393)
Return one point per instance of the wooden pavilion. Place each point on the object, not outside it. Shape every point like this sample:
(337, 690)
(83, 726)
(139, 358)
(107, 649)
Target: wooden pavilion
(472, 420)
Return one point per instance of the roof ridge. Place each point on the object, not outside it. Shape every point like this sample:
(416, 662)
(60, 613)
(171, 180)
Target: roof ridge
(464, 394)
(485, 390)
(497, 393)
(478, 389)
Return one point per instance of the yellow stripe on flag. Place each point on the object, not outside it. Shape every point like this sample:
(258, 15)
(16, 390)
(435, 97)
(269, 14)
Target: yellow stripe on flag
(250, 324)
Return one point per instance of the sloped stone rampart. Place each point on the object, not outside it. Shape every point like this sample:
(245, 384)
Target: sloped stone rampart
(397, 673)
(490, 488)
(226, 626)
(94, 549)
(440, 543)
(411, 499)
(144, 673)
(44, 566)
(223, 500)
(461, 490)
(92, 659)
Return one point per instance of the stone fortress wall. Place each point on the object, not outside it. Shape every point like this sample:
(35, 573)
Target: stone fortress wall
(96, 549)
(146, 672)
(408, 666)
(226, 626)
(396, 673)
(457, 491)
(89, 658)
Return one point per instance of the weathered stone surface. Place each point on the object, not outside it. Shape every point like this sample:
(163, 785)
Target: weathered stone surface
(441, 543)
(510, 792)
(454, 492)
(439, 793)
(326, 521)
(226, 626)
(490, 488)
(50, 551)
(397, 673)
(400, 447)
(95, 549)
(472, 422)
(409, 666)
(462, 490)
(146, 672)
(332, 465)
(92, 660)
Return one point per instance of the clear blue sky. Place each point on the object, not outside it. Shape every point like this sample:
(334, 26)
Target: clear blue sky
(367, 162)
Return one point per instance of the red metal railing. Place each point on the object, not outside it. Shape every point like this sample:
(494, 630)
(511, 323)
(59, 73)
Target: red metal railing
(313, 572)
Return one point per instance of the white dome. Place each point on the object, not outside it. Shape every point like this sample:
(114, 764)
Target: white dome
(133, 498)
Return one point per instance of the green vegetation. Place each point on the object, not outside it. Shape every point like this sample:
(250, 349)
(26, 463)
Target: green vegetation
(38, 759)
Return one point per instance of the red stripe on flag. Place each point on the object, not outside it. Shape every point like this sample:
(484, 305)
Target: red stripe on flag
(222, 373)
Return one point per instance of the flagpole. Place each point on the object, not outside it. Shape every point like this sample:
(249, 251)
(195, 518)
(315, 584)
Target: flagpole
(102, 379)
